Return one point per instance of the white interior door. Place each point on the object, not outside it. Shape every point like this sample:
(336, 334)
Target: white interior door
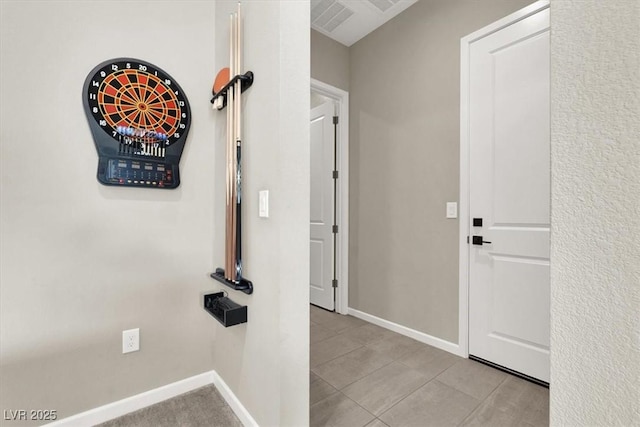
(322, 200)
(510, 191)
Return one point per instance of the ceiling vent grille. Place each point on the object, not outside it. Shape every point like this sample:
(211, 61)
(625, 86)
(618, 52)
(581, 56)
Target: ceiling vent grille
(382, 5)
(329, 14)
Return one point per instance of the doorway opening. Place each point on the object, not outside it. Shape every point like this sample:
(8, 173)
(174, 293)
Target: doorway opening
(330, 231)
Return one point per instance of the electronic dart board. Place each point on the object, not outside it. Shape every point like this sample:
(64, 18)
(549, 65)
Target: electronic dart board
(139, 117)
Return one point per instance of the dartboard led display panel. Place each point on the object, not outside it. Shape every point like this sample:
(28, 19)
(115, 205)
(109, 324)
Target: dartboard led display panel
(139, 118)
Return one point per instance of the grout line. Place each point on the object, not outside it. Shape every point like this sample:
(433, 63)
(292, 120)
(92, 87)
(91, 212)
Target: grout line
(398, 402)
(405, 396)
(437, 374)
(324, 339)
(382, 422)
(485, 399)
(471, 413)
(347, 385)
(480, 403)
(347, 397)
(401, 399)
(330, 360)
(459, 391)
(370, 373)
(322, 400)
(336, 391)
(360, 406)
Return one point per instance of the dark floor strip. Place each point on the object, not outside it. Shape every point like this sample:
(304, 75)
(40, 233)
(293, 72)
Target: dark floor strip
(510, 371)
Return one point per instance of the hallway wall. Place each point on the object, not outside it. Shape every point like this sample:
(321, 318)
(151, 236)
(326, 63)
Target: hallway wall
(404, 151)
(595, 212)
(329, 61)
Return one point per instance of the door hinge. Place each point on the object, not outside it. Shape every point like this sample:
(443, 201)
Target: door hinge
(334, 283)
(335, 174)
(335, 120)
(467, 240)
(335, 229)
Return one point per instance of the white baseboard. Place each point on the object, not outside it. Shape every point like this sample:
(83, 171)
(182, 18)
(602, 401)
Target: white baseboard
(139, 401)
(411, 333)
(232, 400)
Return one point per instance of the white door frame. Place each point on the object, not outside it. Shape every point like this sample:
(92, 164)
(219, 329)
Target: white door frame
(465, 42)
(341, 98)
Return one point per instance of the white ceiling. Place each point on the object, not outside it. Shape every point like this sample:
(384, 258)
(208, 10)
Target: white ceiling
(347, 21)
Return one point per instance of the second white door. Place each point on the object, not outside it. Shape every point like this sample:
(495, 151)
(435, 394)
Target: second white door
(322, 207)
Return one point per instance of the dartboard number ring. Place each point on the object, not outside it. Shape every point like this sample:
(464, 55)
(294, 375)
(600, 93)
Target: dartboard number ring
(137, 95)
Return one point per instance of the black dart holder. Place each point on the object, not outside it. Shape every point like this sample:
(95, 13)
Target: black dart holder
(225, 310)
(246, 80)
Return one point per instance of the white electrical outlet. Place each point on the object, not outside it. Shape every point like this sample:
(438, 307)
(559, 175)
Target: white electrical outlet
(130, 340)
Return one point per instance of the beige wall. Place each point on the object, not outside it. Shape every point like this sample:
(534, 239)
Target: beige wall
(595, 215)
(80, 262)
(404, 149)
(329, 61)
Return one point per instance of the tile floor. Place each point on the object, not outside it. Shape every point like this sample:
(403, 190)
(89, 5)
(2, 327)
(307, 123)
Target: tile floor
(365, 375)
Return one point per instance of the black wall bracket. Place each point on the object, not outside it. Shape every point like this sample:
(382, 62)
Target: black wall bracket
(246, 80)
(224, 310)
(242, 285)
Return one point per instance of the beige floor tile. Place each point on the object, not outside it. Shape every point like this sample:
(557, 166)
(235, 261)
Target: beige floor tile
(472, 378)
(385, 387)
(368, 333)
(538, 414)
(320, 390)
(489, 416)
(434, 404)
(313, 377)
(320, 315)
(515, 402)
(339, 411)
(331, 348)
(429, 361)
(341, 323)
(320, 333)
(396, 346)
(349, 368)
(376, 423)
(521, 400)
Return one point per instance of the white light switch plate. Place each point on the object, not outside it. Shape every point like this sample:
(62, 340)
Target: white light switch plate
(452, 209)
(263, 205)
